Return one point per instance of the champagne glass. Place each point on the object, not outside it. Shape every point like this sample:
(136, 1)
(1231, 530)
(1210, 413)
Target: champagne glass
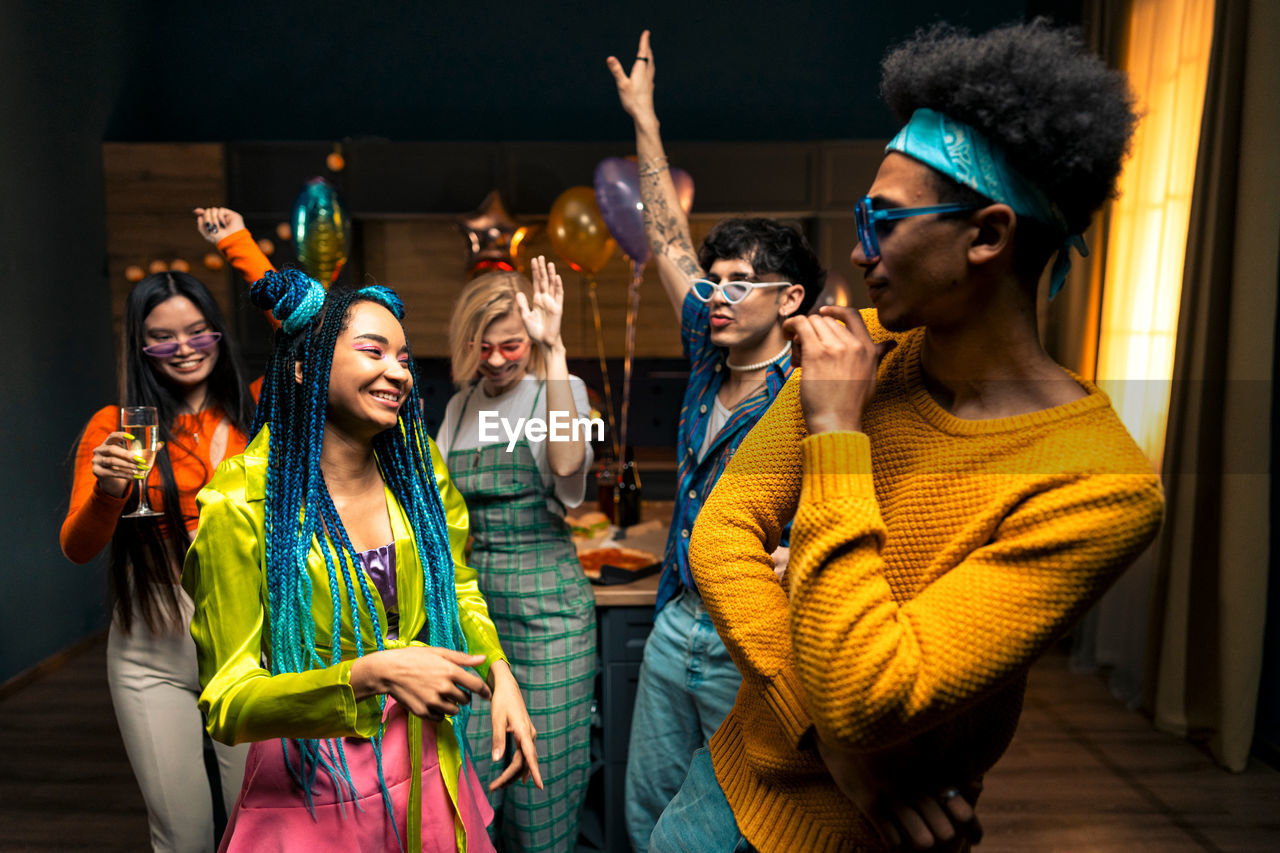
(142, 422)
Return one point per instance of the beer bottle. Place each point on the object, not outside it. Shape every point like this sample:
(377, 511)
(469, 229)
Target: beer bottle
(606, 482)
(627, 495)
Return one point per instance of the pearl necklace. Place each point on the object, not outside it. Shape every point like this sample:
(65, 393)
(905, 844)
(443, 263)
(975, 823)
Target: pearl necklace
(747, 368)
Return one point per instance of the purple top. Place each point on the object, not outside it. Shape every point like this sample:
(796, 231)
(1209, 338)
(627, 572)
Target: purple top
(380, 565)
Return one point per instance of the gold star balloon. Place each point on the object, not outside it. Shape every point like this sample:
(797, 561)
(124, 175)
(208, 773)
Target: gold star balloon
(493, 237)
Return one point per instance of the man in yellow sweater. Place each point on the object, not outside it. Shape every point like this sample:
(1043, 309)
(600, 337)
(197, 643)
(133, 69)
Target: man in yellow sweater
(959, 500)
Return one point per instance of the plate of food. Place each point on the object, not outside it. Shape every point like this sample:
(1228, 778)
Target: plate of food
(589, 530)
(615, 565)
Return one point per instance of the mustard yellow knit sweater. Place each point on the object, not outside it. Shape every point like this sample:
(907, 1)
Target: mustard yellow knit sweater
(933, 560)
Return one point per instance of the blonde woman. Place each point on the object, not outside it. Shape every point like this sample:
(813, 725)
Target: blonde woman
(509, 366)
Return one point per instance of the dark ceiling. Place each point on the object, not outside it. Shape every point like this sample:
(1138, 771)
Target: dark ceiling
(511, 71)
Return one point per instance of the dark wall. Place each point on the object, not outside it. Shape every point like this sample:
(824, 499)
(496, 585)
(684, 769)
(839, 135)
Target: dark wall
(55, 321)
(406, 69)
(74, 74)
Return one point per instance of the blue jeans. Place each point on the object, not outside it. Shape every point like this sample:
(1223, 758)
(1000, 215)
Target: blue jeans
(699, 818)
(687, 686)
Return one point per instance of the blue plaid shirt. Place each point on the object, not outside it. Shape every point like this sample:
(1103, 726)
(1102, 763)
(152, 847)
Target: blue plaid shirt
(694, 479)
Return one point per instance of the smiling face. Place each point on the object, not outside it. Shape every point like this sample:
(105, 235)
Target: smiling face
(505, 336)
(175, 320)
(919, 277)
(745, 324)
(370, 379)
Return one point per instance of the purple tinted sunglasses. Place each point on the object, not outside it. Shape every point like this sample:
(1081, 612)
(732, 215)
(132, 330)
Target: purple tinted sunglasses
(202, 341)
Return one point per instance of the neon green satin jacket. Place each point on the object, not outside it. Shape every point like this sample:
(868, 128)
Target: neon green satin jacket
(225, 575)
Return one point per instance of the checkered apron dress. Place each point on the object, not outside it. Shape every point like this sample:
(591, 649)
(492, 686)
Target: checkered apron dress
(544, 611)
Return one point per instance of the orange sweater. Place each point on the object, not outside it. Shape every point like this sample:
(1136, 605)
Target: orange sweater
(92, 517)
(932, 561)
(242, 250)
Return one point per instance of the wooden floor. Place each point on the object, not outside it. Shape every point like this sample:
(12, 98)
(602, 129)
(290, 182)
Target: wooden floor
(1083, 774)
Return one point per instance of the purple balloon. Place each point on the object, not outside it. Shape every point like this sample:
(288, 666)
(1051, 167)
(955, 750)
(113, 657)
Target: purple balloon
(617, 183)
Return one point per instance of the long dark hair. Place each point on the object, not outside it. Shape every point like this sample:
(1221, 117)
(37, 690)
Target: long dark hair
(141, 558)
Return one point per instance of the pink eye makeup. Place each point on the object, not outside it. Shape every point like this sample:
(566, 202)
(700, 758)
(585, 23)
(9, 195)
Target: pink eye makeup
(377, 352)
(511, 350)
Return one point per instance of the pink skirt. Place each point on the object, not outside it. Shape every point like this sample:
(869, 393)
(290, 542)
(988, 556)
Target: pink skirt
(270, 814)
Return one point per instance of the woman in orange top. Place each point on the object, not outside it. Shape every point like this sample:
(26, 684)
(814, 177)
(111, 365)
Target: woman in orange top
(178, 359)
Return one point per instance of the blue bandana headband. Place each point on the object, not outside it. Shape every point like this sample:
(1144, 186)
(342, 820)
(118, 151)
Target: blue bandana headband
(967, 157)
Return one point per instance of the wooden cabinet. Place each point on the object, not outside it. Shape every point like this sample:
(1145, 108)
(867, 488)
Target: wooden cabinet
(624, 617)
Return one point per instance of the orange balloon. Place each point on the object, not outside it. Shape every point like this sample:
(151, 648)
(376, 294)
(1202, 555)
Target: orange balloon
(284, 232)
(336, 162)
(158, 266)
(179, 265)
(133, 273)
(578, 232)
(213, 261)
(267, 247)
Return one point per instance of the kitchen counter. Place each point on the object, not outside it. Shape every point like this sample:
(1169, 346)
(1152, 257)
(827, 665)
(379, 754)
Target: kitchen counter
(650, 535)
(624, 618)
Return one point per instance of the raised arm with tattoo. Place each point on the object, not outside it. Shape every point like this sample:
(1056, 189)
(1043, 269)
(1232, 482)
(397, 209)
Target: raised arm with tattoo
(665, 224)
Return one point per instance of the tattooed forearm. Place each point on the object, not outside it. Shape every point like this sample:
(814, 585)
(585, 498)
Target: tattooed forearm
(688, 265)
(667, 229)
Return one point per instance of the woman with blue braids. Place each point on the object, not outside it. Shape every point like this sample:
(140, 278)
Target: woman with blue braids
(333, 612)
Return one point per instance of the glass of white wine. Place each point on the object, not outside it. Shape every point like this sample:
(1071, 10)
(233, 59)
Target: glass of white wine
(142, 423)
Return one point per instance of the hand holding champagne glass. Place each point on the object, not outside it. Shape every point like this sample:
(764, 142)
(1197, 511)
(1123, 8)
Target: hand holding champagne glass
(140, 427)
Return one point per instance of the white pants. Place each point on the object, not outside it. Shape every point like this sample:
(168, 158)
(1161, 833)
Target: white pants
(154, 686)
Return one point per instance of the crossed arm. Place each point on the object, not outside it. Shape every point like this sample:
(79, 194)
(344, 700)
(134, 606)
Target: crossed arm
(759, 492)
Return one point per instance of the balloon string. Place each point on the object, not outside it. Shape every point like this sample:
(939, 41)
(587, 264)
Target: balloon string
(604, 367)
(633, 307)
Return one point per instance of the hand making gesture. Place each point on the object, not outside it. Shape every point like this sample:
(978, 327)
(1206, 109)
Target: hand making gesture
(542, 319)
(839, 363)
(510, 717)
(635, 91)
(214, 223)
(907, 810)
(434, 682)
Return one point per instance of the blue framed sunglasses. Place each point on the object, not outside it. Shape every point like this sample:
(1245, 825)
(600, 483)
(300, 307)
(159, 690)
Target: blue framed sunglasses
(867, 218)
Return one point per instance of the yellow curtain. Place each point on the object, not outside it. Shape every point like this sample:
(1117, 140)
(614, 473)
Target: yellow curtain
(1186, 336)
(1167, 58)
(1205, 665)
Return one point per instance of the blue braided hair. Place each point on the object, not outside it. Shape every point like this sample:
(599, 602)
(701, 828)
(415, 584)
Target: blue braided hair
(300, 510)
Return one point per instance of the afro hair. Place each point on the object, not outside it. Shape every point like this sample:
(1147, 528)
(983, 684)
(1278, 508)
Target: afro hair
(1062, 118)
